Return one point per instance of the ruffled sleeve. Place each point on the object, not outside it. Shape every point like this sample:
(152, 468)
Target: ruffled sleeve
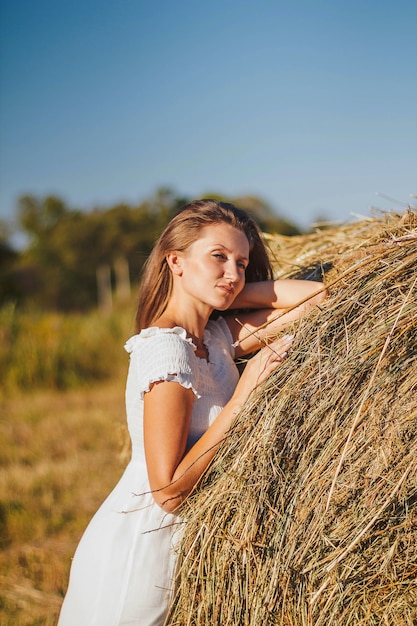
(158, 354)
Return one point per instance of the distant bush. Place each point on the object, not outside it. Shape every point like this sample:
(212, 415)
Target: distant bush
(61, 351)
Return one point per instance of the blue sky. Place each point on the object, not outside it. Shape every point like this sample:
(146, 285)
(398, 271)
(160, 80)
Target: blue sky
(310, 105)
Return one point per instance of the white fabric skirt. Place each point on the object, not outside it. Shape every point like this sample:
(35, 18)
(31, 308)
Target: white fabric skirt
(123, 568)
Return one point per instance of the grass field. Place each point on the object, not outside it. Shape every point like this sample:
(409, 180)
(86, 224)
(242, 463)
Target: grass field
(61, 452)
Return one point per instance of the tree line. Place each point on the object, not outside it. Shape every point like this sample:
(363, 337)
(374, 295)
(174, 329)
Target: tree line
(74, 260)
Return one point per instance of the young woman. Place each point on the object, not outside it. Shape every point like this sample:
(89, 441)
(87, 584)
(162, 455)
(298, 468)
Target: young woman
(183, 393)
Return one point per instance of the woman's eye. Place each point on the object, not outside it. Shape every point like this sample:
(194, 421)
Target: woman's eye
(218, 255)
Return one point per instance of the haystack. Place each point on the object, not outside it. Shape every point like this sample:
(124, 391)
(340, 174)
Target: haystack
(308, 514)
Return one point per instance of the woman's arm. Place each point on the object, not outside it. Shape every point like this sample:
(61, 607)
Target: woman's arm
(270, 300)
(173, 471)
(277, 294)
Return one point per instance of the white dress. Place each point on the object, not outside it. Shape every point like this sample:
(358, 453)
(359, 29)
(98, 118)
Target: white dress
(122, 572)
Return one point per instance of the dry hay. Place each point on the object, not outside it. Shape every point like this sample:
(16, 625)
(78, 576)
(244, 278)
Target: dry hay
(308, 513)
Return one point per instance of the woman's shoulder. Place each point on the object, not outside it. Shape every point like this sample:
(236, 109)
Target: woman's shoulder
(161, 354)
(156, 336)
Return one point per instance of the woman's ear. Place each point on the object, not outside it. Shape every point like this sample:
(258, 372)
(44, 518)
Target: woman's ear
(174, 263)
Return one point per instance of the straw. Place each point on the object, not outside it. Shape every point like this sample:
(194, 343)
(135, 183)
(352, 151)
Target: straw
(307, 515)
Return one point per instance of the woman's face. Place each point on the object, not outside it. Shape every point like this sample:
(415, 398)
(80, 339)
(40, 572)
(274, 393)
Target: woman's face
(213, 267)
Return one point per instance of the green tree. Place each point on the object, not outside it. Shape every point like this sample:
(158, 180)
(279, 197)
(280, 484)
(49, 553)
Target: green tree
(8, 260)
(68, 248)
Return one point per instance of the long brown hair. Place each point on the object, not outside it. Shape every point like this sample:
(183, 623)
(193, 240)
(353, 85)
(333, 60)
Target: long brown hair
(178, 235)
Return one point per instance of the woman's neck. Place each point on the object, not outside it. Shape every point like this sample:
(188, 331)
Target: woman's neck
(192, 320)
(193, 323)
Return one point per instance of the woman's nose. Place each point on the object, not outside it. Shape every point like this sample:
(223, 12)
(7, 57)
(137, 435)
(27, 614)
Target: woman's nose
(232, 272)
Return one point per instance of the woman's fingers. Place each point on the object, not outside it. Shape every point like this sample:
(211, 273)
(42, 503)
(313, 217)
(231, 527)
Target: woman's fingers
(271, 356)
(261, 366)
(280, 347)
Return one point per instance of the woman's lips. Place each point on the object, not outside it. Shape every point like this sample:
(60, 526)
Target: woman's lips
(228, 289)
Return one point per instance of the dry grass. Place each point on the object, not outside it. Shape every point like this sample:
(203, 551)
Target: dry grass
(58, 460)
(61, 351)
(58, 449)
(308, 515)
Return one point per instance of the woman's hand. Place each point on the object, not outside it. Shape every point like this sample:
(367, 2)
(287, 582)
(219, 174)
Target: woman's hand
(261, 366)
(270, 307)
